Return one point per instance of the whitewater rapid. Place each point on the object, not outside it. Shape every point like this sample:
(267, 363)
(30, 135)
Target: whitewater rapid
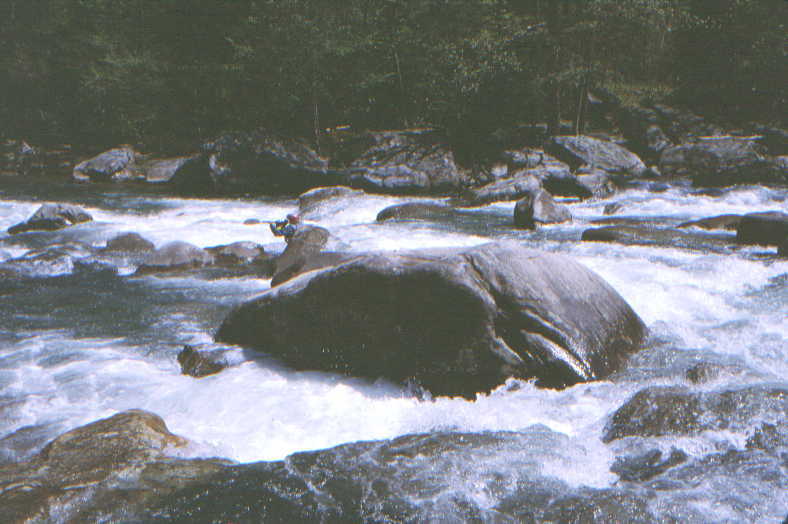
(75, 349)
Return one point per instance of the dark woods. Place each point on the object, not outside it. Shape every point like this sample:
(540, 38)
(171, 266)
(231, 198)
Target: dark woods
(165, 73)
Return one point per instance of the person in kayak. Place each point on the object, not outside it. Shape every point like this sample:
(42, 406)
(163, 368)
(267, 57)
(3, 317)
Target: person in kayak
(285, 228)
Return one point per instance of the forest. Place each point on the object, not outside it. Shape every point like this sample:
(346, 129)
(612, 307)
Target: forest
(165, 74)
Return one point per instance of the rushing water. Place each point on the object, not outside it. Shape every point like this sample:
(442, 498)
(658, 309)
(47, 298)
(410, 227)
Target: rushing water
(78, 343)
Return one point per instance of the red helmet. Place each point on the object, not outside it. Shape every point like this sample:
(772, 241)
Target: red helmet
(293, 219)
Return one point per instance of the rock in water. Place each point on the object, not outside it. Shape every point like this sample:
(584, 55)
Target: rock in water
(307, 242)
(539, 207)
(457, 322)
(600, 154)
(175, 256)
(769, 228)
(50, 217)
(201, 363)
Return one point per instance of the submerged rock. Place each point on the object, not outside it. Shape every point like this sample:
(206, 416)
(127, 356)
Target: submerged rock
(651, 236)
(458, 322)
(730, 222)
(129, 243)
(769, 228)
(201, 363)
(538, 207)
(238, 253)
(50, 217)
(416, 211)
(647, 466)
(175, 256)
(659, 411)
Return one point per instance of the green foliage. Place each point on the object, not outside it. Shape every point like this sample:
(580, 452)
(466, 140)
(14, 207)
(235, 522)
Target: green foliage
(169, 72)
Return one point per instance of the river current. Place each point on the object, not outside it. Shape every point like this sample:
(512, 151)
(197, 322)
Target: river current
(79, 343)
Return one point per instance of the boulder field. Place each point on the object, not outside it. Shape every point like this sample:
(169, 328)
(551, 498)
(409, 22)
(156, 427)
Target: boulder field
(457, 322)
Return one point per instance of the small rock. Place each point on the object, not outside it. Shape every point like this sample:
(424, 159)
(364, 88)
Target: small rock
(539, 207)
(612, 208)
(201, 363)
(129, 243)
(50, 217)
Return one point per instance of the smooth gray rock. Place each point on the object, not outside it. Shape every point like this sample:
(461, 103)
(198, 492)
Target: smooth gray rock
(115, 164)
(175, 256)
(238, 253)
(644, 235)
(458, 322)
(314, 199)
(600, 154)
(50, 217)
(539, 208)
(161, 170)
(129, 243)
(505, 189)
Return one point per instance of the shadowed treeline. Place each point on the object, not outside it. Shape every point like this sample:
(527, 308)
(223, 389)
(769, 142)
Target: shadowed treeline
(165, 73)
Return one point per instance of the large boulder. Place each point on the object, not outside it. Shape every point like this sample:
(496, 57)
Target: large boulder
(456, 322)
(303, 246)
(175, 256)
(406, 162)
(72, 467)
(719, 161)
(600, 154)
(538, 207)
(115, 164)
(768, 228)
(253, 162)
(50, 217)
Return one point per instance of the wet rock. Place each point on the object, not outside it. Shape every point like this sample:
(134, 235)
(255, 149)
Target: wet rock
(539, 208)
(161, 170)
(719, 161)
(612, 208)
(703, 372)
(305, 245)
(769, 228)
(175, 256)
(651, 236)
(53, 260)
(406, 162)
(659, 411)
(416, 211)
(50, 217)
(129, 243)
(513, 312)
(729, 222)
(74, 465)
(314, 199)
(595, 182)
(253, 162)
(115, 164)
(600, 506)
(506, 189)
(201, 363)
(238, 253)
(647, 466)
(769, 437)
(606, 156)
